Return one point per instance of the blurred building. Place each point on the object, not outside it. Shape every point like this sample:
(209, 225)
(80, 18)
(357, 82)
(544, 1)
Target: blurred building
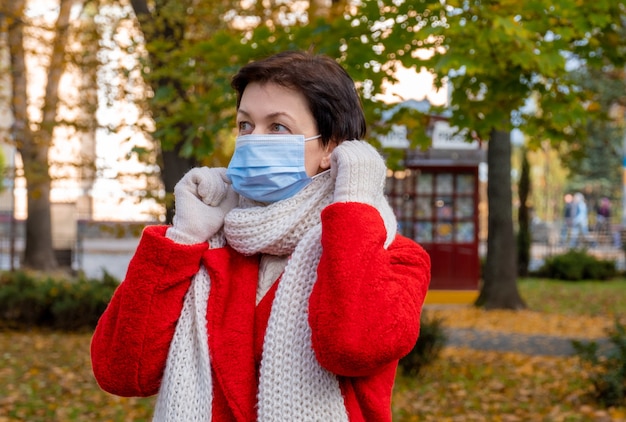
(439, 199)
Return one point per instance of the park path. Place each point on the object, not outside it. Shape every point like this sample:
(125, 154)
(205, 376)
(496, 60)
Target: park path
(535, 344)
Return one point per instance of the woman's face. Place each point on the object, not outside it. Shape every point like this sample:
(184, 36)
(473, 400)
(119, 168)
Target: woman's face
(274, 109)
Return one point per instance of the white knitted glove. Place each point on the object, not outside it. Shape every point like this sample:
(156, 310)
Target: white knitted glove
(359, 173)
(202, 198)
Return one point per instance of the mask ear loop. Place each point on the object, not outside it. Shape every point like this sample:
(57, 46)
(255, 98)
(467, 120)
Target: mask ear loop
(311, 138)
(325, 158)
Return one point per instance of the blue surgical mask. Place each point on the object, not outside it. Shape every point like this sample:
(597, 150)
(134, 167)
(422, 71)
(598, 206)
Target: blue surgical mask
(268, 168)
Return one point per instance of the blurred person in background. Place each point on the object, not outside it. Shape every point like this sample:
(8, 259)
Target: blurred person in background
(603, 220)
(580, 221)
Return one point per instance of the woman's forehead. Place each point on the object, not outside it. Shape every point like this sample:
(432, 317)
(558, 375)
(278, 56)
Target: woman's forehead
(272, 100)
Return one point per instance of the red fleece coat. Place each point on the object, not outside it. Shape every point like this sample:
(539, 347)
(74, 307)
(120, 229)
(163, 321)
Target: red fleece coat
(364, 314)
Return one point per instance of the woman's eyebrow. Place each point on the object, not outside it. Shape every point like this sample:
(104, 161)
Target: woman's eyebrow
(270, 116)
(282, 114)
(244, 112)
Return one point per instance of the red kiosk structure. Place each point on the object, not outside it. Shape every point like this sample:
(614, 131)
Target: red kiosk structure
(436, 199)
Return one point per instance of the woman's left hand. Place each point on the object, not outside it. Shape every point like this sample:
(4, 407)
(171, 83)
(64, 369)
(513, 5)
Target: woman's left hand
(359, 172)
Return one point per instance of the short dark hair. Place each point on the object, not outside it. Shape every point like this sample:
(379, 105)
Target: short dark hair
(327, 87)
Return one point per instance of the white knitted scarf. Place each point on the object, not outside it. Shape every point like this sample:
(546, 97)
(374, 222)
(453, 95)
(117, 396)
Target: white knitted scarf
(292, 386)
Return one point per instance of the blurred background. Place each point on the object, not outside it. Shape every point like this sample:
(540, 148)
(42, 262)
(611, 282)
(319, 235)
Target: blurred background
(490, 115)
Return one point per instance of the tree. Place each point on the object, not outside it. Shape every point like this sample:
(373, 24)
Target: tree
(165, 30)
(31, 134)
(34, 144)
(596, 163)
(508, 64)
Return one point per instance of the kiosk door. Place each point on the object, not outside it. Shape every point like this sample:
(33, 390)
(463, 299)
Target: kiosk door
(438, 208)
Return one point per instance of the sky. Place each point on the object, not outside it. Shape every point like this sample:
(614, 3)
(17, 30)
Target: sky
(414, 86)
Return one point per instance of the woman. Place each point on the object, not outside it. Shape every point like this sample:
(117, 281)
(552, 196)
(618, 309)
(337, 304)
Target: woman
(281, 292)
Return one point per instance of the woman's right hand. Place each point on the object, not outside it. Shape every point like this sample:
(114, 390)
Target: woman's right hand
(202, 198)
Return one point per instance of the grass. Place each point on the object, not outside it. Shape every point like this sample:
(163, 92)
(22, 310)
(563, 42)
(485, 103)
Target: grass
(46, 376)
(591, 298)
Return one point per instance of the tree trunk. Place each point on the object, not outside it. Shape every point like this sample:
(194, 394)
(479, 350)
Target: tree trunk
(523, 218)
(38, 250)
(499, 289)
(172, 165)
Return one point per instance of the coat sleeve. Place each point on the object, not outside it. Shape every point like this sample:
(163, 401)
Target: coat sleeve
(365, 307)
(131, 341)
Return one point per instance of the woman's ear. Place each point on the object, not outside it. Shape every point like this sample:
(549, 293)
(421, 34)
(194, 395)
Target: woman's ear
(325, 163)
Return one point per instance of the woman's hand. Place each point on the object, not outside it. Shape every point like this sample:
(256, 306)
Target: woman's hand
(359, 172)
(202, 198)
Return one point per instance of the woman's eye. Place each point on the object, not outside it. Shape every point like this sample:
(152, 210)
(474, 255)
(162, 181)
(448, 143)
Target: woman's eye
(278, 128)
(245, 127)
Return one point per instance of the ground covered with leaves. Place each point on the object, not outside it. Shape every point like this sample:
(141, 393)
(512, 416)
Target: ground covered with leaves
(482, 385)
(46, 376)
